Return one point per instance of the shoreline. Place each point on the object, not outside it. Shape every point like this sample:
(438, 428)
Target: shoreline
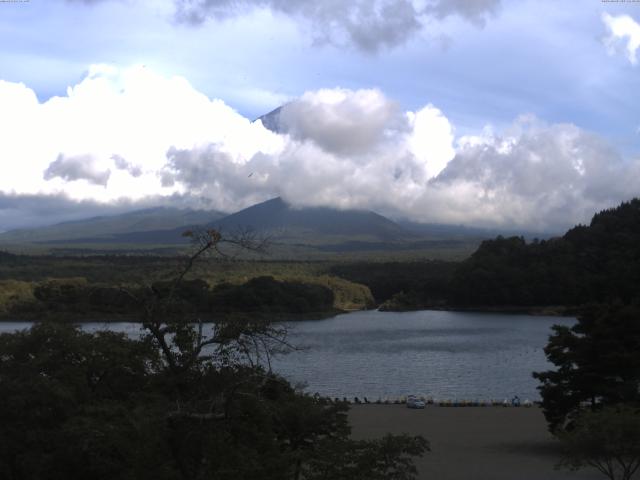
(100, 317)
(540, 311)
(534, 311)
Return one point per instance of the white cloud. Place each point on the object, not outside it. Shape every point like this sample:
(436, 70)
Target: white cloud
(134, 136)
(122, 118)
(431, 139)
(622, 30)
(342, 148)
(534, 176)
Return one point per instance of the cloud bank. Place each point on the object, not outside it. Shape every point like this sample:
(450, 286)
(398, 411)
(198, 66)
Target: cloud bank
(544, 176)
(369, 25)
(133, 137)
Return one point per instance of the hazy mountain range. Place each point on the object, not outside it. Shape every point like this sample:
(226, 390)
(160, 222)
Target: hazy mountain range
(109, 228)
(319, 228)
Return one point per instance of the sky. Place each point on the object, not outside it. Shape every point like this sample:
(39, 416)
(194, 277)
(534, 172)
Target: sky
(519, 114)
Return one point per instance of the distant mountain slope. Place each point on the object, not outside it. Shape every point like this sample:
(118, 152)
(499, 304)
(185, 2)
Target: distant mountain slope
(297, 232)
(271, 121)
(107, 228)
(276, 216)
(445, 231)
(285, 224)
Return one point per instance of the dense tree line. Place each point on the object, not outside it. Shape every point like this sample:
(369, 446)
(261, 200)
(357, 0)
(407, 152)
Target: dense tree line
(426, 282)
(30, 286)
(263, 295)
(595, 263)
(591, 400)
(266, 295)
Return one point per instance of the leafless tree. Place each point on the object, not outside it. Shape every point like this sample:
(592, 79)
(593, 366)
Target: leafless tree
(188, 343)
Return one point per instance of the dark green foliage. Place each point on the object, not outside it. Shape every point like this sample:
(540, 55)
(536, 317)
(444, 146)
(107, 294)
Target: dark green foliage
(401, 302)
(598, 263)
(263, 295)
(426, 281)
(79, 297)
(106, 269)
(507, 271)
(7, 258)
(101, 406)
(71, 403)
(184, 402)
(598, 364)
(267, 295)
(595, 263)
(193, 295)
(607, 440)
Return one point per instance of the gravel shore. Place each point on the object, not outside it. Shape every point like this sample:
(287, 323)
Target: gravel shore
(472, 443)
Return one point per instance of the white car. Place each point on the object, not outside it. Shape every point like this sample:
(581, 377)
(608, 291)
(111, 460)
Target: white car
(415, 402)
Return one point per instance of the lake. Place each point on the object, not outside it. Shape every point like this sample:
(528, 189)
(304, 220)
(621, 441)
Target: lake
(446, 355)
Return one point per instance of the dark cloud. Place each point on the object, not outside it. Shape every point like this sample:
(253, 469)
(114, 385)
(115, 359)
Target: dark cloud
(208, 172)
(344, 122)
(198, 171)
(476, 11)
(79, 167)
(370, 25)
(122, 164)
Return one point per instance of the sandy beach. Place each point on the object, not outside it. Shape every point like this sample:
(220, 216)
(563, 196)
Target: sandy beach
(472, 443)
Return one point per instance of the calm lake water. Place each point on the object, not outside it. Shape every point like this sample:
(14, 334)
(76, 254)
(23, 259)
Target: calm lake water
(446, 355)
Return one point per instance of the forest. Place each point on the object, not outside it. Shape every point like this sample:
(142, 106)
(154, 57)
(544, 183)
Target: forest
(594, 263)
(182, 402)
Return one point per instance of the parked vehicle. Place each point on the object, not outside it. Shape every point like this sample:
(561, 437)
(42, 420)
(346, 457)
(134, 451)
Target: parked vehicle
(415, 402)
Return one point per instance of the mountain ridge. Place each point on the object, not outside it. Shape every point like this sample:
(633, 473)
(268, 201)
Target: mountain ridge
(106, 227)
(276, 214)
(290, 229)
